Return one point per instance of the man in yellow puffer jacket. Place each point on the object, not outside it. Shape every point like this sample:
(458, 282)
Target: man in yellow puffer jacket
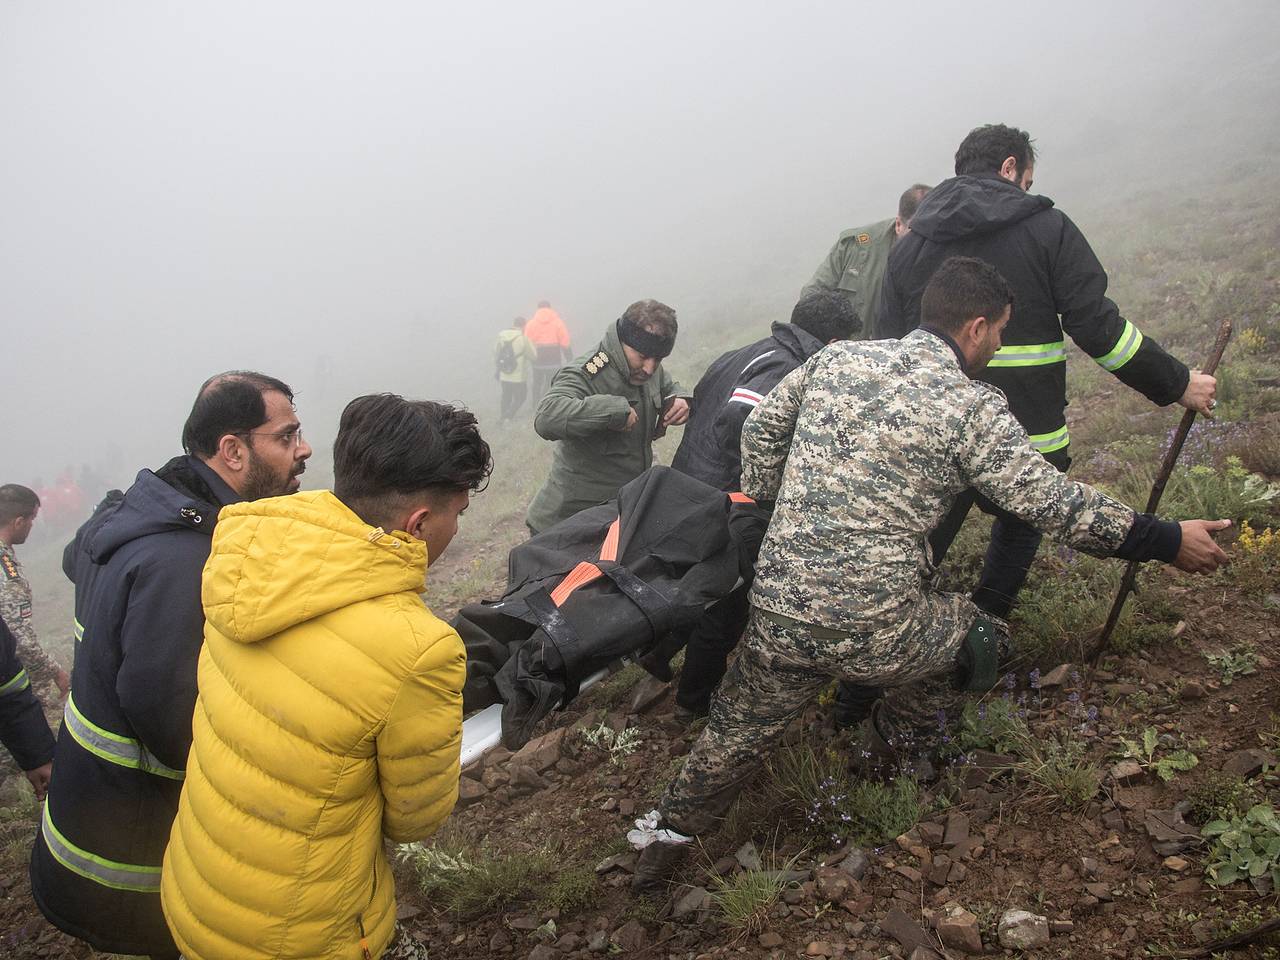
(330, 705)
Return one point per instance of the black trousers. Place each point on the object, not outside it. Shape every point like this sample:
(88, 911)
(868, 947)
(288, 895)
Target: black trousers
(706, 655)
(513, 395)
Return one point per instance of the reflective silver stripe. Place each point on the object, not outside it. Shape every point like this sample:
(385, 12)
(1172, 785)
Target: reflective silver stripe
(1049, 442)
(1126, 346)
(15, 684)
(109, 873)
(113, 747)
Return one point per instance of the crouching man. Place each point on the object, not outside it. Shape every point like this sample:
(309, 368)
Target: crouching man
(329, 713)
(864, 449)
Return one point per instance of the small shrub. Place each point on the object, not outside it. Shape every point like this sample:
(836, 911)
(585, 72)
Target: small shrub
(996, 724)
(1257, 561)
(1230, 664)
(572, 888)
(1167, 765)
(1060, 772)
(812, 781)
(470, 885)
(1221, 796)
(616, 746)
(744, 899)
(1245, 848)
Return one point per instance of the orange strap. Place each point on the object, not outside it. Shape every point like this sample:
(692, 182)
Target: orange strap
(587, 571)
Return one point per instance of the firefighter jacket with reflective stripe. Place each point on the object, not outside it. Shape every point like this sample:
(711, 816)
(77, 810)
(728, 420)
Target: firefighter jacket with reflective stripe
(122, 747)
(731, 388)
(329, 717)
(1059, 287)
(23, 729)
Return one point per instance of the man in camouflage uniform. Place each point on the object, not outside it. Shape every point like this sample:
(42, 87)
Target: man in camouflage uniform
(18, 508)
(606, 409)
(864, 448)
(857, 262)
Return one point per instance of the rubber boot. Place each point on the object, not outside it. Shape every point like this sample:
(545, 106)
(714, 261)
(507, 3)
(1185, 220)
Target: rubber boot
(877, 755)
(658, 861)
(853, 704)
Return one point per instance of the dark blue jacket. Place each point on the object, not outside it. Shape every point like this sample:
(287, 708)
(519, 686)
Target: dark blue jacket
(122, 747)
(725, 396)
(23, 729)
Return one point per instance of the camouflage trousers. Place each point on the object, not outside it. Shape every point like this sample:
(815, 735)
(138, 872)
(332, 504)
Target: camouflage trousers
(782, 666)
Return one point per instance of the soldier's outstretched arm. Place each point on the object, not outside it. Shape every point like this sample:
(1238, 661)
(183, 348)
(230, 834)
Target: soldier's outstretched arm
(766, 436)
(996, 457)
(570, 409)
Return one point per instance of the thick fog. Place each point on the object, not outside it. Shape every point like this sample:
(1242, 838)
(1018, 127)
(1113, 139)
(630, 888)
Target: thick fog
(358, 196)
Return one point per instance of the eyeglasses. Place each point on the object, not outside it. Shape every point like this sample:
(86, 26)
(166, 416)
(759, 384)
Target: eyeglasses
(289, 438)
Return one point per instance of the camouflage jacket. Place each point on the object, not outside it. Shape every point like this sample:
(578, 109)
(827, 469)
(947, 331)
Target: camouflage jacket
(15, 610)
(864, 448)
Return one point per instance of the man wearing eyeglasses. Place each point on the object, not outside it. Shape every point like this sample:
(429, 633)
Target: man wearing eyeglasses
(122, 748)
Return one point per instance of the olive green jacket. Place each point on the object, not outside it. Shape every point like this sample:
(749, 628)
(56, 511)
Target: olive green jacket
(856, 267)
(585, 408)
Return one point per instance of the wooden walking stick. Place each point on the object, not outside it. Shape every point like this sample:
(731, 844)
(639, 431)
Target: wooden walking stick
(1157, 491)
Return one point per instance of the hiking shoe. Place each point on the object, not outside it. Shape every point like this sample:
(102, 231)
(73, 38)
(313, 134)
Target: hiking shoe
(658, 861)
(687, 716)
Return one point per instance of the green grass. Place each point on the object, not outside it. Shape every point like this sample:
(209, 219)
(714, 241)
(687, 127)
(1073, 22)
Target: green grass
(744, 899)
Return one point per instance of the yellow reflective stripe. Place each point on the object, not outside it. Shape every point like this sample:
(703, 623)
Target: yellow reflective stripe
(77, 629)
(15, 684)
(1128, 344)
(1030, 355)
(109, 873)
(1049, 442)
(112, 747)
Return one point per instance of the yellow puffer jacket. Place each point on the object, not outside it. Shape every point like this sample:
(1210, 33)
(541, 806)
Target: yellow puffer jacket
(329, 716)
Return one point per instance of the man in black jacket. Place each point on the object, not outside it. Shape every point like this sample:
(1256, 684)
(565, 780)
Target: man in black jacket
(23, 729)
(709, 451)
(122, 748)
(1059, 286)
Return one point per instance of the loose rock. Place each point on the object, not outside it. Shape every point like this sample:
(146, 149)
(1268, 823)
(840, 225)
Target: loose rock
(1022, 930)
(958, 929)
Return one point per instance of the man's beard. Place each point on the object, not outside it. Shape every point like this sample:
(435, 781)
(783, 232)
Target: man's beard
(261, 481)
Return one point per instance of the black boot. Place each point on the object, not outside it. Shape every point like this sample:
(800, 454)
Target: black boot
(658, 861)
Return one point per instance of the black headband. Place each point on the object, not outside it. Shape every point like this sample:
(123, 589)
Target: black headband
(646, 343)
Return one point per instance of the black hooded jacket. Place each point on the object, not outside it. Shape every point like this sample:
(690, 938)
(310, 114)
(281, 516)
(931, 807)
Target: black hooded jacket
(1058, 284)
(23, 729)
(725, 396)
(122, 748)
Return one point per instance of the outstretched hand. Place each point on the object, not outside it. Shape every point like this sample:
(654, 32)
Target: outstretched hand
(1198, 552)
(1200, 394)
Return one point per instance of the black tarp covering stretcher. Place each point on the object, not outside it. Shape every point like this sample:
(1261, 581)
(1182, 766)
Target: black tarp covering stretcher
(567, 612)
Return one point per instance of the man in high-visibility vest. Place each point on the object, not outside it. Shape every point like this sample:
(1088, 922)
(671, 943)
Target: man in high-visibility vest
(986, 211)
(550, 339)
(122, 749)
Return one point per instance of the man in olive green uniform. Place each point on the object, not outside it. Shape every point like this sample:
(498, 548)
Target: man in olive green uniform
(606, 409)
(18, 508)
(856, 264)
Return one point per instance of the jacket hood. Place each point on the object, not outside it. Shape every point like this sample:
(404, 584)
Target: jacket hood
(282, 561)
(969, 205)
(797, 341)
(150, 506)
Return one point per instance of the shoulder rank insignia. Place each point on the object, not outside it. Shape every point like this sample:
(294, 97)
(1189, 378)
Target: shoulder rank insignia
(596, 363)
(10, 567)
(864, 238)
